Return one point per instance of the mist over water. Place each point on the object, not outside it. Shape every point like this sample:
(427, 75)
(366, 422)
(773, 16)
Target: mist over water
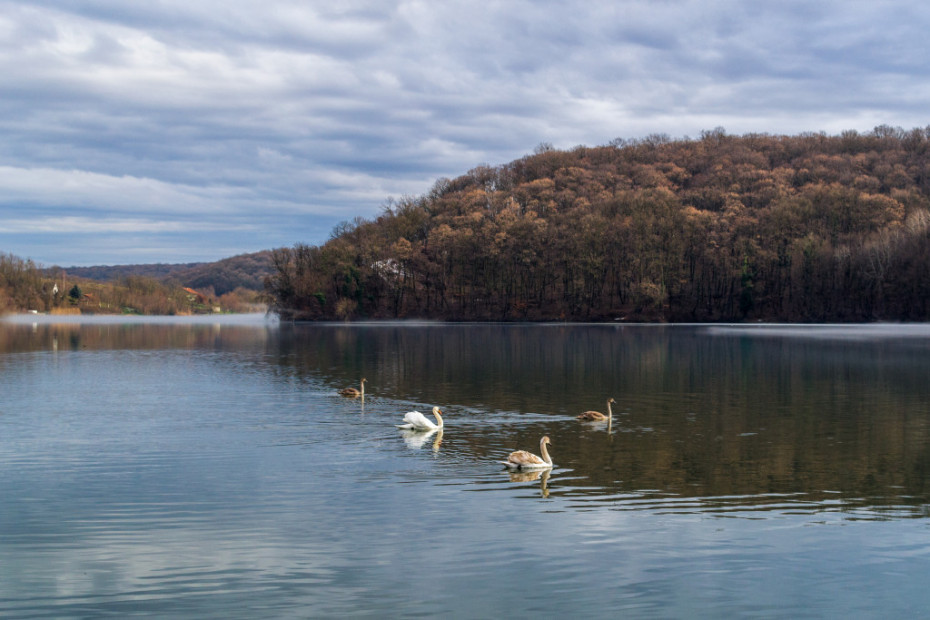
(210, 469)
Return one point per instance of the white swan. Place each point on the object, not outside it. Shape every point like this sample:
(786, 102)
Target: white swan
(416, 421)
(521, 459)
(597, 416)
(353, 393)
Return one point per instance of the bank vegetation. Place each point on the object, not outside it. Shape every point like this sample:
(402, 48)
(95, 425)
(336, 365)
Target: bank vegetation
(25, 287)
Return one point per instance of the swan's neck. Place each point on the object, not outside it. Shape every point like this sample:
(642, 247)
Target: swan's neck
(610, 412)
(362, 390)
(545, 453)
(438, 418)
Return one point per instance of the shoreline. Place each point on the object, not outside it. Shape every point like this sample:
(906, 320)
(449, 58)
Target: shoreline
(251, 318)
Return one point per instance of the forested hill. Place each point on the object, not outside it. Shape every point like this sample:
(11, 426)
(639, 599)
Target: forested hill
(246, 271)
(798, 228)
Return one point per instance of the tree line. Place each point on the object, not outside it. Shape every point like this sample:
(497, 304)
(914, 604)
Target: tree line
(24, 286)
(809, 227)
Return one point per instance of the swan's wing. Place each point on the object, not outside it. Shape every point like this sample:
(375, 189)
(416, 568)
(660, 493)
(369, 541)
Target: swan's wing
(524, 458)
(414, 417)
(418, 420)
(410, 419)
(592, 415)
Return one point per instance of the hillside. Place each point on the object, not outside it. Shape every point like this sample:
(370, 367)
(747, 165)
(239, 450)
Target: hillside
(110, 273)
(246, 271)
(754, 227)
(231, 285)
(25, 287)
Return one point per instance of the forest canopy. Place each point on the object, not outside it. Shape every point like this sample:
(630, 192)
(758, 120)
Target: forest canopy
(719, 228)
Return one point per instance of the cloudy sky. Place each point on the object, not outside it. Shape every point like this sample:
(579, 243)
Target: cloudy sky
(181, 131)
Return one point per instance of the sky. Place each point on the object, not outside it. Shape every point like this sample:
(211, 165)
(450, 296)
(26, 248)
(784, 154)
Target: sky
(175, 132)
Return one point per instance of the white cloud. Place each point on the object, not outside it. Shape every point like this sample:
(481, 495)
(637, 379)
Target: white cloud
(99, 192)
(320, 110)
(71, 225)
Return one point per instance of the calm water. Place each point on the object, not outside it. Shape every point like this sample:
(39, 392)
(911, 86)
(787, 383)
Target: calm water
(211, 470)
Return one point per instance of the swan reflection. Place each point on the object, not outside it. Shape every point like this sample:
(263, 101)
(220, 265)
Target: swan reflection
(417, 439)
(597, 425)
(531, 475)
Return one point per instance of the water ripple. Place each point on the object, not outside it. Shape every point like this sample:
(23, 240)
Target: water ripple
(203, 474)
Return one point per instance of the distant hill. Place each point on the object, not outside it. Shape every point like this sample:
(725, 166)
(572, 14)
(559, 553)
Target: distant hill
(109, 273)
(244, 270)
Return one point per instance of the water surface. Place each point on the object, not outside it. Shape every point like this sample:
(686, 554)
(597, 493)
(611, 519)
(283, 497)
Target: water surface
(180, 468)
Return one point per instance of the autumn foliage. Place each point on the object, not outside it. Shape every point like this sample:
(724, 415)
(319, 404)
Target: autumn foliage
(721, 228)
(26, 287)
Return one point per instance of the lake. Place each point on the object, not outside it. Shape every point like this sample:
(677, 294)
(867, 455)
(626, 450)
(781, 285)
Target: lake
(208, 468)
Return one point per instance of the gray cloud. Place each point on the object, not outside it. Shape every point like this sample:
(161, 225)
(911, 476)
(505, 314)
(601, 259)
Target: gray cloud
(193, 131)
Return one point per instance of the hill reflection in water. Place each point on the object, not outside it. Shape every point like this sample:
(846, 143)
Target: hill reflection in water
(708, 418)
(723, 419)
(187, 469)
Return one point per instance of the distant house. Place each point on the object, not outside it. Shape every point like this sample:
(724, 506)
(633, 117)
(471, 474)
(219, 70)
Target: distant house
(194, 296)
(92, 299)
(389, 269)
